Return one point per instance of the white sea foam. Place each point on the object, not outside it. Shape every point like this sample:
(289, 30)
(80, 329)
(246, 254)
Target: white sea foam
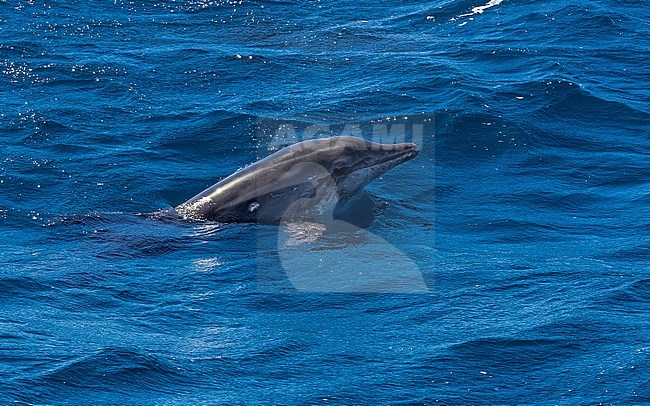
(480, 9)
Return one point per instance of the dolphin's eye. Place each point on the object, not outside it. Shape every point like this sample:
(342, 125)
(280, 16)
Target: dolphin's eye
(253, 206)
(348, 149)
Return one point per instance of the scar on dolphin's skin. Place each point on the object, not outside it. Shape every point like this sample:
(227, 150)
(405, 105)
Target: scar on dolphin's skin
(309, 178)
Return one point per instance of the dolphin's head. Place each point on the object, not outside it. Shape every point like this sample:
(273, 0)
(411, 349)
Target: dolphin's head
(353, 162)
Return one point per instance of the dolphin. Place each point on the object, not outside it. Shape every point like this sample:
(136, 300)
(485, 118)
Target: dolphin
(301, 181)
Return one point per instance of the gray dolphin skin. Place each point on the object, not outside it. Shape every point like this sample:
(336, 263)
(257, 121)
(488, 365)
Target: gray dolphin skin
(304, 180)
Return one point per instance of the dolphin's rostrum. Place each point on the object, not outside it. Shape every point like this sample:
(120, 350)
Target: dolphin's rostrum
(303, 180)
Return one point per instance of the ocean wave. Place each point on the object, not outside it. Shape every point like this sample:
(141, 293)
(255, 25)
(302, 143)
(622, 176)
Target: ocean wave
(478, 137)
(115, 370)
(11, 288)
(517, 352)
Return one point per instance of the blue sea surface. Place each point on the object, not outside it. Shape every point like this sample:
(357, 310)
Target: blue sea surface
(526, 212)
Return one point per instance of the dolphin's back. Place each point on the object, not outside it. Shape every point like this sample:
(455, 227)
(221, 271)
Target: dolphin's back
(235, 197)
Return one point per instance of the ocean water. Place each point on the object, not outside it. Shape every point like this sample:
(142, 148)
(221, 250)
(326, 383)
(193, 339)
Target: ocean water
(524, 219)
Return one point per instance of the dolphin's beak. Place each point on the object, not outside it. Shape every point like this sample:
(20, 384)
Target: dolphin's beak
(399, 152)
(383, 157)
(411, 149)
